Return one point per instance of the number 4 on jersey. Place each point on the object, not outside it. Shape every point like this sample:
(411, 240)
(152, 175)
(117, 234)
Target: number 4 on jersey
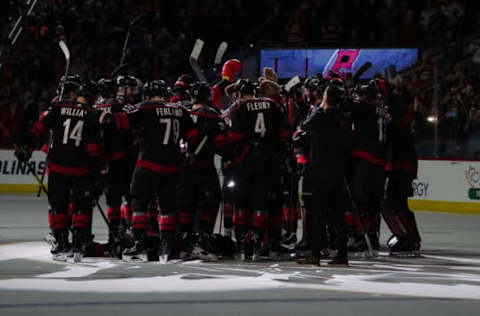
(260, 125)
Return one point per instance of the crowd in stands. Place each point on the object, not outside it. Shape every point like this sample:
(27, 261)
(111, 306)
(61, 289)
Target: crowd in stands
(443, 86)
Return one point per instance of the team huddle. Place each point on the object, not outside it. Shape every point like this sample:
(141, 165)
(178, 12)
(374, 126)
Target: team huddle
(335, 152)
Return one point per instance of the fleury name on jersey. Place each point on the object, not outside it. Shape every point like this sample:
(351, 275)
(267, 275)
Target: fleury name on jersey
(255, 106)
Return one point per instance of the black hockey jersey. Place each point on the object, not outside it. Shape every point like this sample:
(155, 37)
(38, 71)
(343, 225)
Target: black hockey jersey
(213, 132)
(370, 121)
(257, 123)
(116, 142)
(163, 126)
(401, 153)
(75, 139)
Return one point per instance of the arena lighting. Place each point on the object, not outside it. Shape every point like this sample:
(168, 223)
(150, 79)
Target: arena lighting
(231, 184)
(432, 119)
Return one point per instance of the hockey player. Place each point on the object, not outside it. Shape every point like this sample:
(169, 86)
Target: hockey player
(200, 193)
(116, 145)
(258, 128)
(181, 89)
(128, 93)
(281, 202)
(370, 118)
(74, 158)
(158, 166)
(401, 169)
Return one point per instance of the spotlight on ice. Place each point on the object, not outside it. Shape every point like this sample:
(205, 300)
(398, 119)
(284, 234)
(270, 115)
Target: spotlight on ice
(432, 119)
(231, 184)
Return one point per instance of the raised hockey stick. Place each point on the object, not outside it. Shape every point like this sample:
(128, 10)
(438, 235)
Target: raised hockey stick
(193, 59)
(131, 27)
(16, 30)
(222, 48)
(66, 53)
(357, 215)
(361, 71)
(292, 83)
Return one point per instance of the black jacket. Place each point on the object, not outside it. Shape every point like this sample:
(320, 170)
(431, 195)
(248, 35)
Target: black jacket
(330, 144)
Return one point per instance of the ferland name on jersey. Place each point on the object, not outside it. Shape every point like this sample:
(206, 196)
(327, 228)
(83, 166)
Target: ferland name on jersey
(255, 106)
(164, 111)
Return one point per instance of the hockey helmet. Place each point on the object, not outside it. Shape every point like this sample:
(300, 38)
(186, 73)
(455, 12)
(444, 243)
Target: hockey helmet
(200, 91)
(155, 88)
(107, 88)
(70, 84)
(89, 90)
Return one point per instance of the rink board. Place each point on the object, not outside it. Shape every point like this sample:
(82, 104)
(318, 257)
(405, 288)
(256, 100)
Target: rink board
(16, 177)
(447, 186)
(442, 185)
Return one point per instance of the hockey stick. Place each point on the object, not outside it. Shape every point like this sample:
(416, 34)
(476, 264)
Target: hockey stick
(361, 71)
(66, 53)
(17, 29)
(218, 57)
(357, 214)
(197, 150)
(127, 37)
(292, 83)
(42, 178)
(30, 168)
(193, 59)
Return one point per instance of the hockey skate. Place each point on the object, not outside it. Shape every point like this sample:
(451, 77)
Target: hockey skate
(202, 249)
(278, 252)
(289, 240)
(164, 250)
(338, 262)
(309, 260)
(59, 242)
(137, 253)
(303, 249)
(78, 244)
(403, 247)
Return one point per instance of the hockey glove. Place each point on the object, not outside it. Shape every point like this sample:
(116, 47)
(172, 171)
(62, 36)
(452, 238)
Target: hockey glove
(23, 153)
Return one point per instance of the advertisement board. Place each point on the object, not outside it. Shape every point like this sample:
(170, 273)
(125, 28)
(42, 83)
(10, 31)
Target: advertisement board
(309, 62)
(447, 186)
(16, 176)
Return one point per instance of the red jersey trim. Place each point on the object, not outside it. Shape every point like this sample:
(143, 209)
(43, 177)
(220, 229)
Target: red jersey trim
(155, 167)
(191, 135)
(235, 137)
(403, 166)
(69, 170)
(38, 129)
(220, 141)
(368, 157)
(121, 121)
(240, 158)
(285, 136)
(117, 155)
